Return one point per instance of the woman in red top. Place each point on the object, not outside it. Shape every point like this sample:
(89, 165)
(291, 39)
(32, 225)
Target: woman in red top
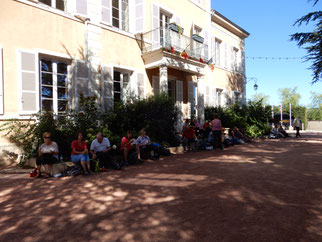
(80, 154)
(128, 146)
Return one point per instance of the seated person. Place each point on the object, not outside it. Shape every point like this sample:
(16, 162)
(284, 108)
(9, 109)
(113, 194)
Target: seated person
(226, 139)
(234, 138)
(47, 155)
(243, 133)
(144, 144)
(275, 132)
(128, 147)
(100, 148)
(282, 131)
(80, 154)
(189, 138)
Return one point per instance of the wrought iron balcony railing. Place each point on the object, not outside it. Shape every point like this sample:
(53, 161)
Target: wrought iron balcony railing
(165, 38)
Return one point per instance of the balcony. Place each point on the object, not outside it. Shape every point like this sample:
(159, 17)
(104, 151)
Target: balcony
(172, 42)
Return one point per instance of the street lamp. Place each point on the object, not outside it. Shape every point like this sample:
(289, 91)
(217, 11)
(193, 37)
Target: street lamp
(248, 79)
(255, 87)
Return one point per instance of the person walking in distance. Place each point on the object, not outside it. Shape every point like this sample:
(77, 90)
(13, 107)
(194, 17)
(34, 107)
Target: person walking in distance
(297, 124)
(217, 132)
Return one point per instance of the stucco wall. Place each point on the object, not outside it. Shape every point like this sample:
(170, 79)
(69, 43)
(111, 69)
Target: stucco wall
(314, 125)
(29, 28)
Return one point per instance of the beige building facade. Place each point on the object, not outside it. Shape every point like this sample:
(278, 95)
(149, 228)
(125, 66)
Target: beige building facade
(51, 51)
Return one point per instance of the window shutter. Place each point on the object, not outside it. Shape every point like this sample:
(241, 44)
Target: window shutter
(226, 55)
(107, 12)
(29, 90)
(1, 82)
(243, 61)
(207, 101)
(179, 102)
(155, 25)
(140, 84)
(156, 84)
(206, 47)
(81, 83)
(139, 16)
(107, 88)
(232, 58)
(213, 97)
(201, 100)
(213, 49)
(81, 7)
(190, 98)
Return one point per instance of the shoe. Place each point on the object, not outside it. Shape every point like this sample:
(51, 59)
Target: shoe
(120, 165)
(103, 169)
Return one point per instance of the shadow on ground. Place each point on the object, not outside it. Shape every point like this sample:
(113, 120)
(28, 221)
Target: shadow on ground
(265, 191)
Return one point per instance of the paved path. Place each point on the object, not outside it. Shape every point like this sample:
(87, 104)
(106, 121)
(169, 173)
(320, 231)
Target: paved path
(269, 190)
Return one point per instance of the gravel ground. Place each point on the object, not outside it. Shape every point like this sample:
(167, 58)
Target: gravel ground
(269, 190)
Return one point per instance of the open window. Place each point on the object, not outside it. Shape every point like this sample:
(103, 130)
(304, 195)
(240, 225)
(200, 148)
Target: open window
(58, 4)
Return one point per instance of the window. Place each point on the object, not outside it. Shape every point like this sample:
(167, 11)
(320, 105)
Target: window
(236, 97)
(234, 56)
(164, 24)
(121, 84)
(59, 4)
(120, 14)
(219, 97)
(171, 90)
(197, 47)
(217, 47)
(53, 86)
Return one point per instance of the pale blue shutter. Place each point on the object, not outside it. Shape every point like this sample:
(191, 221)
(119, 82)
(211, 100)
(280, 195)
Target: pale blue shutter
(155, 26)
(107, 12)
(139, 16)
(107, 88)
(81, 7)
(141, 84)
(29, 86)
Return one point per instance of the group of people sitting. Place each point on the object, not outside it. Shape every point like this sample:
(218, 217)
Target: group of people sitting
(277, 131)
(210, 135)
(100, 149)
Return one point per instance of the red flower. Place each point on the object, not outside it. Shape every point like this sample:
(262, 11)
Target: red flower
(172, 50)
(201, 60)
(184, 54)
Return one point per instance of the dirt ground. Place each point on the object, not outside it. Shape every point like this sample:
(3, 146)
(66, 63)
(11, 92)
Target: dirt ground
(270, 190)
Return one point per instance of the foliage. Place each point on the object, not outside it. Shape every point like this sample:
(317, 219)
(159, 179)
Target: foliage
(289, 95)
(260, 97)
(311, 41)
(315, 108)
(158, 114)
(253, 117)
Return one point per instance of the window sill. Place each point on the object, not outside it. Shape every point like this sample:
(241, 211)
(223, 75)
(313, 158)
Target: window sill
(116, 30)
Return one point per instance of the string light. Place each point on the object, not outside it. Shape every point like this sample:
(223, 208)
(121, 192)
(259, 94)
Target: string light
(273, 58)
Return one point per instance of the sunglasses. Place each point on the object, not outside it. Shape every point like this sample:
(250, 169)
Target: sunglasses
(47, 137)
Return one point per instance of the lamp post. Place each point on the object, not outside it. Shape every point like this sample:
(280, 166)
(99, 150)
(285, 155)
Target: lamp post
(247, 80)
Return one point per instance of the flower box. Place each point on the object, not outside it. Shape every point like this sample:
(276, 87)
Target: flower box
(175, 28)
(198, 38)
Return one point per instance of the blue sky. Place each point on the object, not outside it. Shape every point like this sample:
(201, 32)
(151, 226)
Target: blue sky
(270, 24)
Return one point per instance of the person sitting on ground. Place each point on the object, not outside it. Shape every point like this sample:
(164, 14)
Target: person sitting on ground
(189, 138)
(276, 133)
(80, 154)
(129, 147)
(244, 136)
(282, 131)
(234, 138)
(207, 129)
(227, 140)
(144, 143)
(100, 148)
(47, 155)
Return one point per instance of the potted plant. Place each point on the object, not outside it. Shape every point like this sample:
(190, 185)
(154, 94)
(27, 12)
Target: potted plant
(176, 28)
(198, 38)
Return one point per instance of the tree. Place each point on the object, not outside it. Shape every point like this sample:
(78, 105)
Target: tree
(260, 97)
(311, 41)
(289, 95)
(315, 108)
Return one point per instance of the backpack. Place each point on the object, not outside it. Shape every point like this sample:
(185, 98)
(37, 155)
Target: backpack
(133, 158)
(73, 171)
